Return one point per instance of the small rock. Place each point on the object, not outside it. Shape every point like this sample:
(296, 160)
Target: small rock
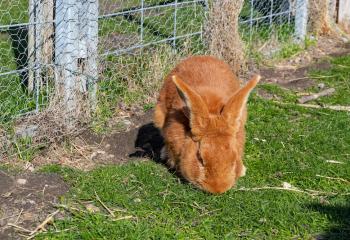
(344, 39)
(93, 155)
(278, 174)
(108, 145)
(6, 195)
(297, 60)
(137, 200)
(92, 208)
(287, 185)
(21, 181)
(321, 85)
(27, 216)
(101, 152)
(324, 201)
(127, 122)
(31, 201)
(29, 166)
(26, 131)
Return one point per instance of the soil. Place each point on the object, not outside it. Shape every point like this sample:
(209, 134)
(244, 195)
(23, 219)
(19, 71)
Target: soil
(144, 140)
(292, 73)
(26, 200)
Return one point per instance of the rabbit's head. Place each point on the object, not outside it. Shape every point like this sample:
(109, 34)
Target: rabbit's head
(212, 157)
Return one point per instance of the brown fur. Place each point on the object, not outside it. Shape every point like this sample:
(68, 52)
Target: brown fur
(201, 112)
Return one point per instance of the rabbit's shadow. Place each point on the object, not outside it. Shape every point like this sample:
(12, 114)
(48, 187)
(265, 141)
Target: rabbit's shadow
(148, 144)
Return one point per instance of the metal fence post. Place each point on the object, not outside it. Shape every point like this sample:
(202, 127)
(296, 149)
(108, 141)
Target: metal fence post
(301, 19)
(251, 20)
(88, 59)
(76, 55)
(66, 52)
(175, 23)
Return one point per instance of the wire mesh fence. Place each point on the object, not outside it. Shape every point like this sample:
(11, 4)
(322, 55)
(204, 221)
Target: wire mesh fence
(112, 51)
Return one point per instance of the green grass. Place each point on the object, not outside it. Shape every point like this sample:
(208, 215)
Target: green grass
(290, 49)
(14, 11)
(285, 94)
(338, 77)
(284, 144)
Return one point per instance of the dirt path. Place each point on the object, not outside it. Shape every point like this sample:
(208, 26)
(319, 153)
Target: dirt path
(26, 200)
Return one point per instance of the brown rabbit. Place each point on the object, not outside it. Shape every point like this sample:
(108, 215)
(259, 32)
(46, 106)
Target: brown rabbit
(201, 112)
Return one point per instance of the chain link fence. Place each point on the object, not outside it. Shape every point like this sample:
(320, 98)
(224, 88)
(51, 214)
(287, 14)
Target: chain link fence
(72, 56)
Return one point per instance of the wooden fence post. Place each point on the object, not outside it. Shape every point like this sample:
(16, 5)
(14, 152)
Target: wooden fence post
(40, 42)
(76, 56)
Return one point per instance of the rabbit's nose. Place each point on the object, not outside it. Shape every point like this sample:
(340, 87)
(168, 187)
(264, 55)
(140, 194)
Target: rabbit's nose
(217, 187)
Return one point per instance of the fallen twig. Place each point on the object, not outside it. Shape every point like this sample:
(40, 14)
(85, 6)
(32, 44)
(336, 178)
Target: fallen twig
(319, 77)
(123, 218)
(297, 79)
(41, 226)
(333, 161)
(19, 227)
(109, 211)
(80, 151)
(288, 187)
(275, 188)
(334, 178)
(314, 96)
(69, 208)
(209, 212)
(19, 215)
(330, 107)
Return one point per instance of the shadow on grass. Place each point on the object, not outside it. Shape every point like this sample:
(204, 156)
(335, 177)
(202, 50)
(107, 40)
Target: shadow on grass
(148, 143)
(339, 215)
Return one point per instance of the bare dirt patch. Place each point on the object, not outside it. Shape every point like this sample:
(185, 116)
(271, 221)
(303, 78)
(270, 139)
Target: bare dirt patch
(293, 73)
(88, 150)
(26, 199)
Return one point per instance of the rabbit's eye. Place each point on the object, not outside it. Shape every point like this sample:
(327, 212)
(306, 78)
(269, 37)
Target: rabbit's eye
(200, 159)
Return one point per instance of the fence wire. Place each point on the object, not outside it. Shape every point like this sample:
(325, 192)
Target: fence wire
(138, 40)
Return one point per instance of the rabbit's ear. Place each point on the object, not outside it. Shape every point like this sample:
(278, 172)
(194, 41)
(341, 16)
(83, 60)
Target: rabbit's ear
(198, 111)
(234, 108)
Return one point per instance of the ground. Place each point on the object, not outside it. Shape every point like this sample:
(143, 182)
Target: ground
(296, 185)
(26, 199)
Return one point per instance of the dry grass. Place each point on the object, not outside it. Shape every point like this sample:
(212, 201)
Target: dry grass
(131, 83)
(74, 153)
